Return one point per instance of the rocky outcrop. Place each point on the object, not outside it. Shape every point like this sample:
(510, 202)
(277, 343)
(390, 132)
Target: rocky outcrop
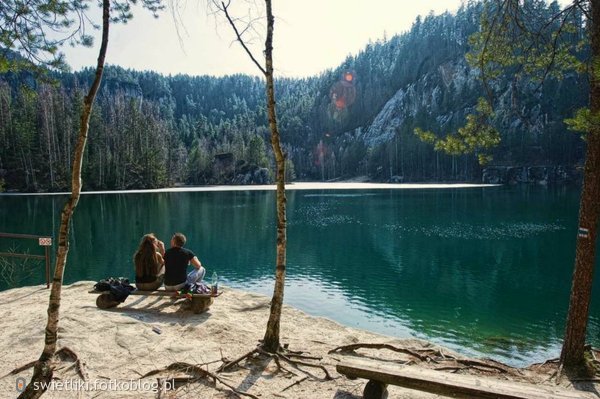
(251, 174)
(424, 95)
(541, 175)
(258, 176)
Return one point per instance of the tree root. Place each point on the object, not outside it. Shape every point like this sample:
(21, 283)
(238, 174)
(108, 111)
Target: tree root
(486, 363)
(412, 352)
(295, 383)
(196, 373)
(452, 369)
(63, 354)
(554, 360)
(22, 368)
(226, 366)
(301, 356)
(66, 353)
(434, 356)
(282, 353)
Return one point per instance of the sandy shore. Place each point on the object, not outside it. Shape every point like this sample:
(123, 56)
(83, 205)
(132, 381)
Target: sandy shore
(119, 345)
(289, 186)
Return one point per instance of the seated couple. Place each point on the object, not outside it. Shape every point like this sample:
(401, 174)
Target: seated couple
(154, 265)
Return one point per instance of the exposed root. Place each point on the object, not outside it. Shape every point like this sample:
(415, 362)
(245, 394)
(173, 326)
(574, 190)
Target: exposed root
(452, 369)
(559, 373)
(282, 354)
(412, 352)
(554, 360)
(551, 376)
(62, 354)
(196, 373)
(280, 367)
(437, 353)
(490, 364)
(66, 353)
(226, 366)
(300, 356)
(22, 368)
(295, 383)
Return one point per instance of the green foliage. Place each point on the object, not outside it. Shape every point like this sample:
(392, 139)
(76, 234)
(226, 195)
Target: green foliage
(524, 42)
(528, 39)
(257, 154)
(32, 31)
(290, 171)
(426, 136)
(25, 27)
(150, 130)
(584, 121)
(198, 165)
(475, 136)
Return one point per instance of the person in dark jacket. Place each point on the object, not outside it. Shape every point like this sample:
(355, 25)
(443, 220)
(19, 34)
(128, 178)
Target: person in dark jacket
(177, 258)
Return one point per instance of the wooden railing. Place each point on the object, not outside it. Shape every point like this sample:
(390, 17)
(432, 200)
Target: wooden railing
(44, 241)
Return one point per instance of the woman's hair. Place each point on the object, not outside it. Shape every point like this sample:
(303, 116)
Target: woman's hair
(145, 260)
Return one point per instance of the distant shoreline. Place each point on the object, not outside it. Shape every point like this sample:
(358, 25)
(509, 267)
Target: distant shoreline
(272, 187)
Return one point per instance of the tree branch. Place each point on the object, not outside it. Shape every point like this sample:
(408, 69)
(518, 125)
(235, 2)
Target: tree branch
(224, 9)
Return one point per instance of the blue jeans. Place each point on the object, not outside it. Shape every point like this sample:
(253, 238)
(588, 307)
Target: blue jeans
(193, 277)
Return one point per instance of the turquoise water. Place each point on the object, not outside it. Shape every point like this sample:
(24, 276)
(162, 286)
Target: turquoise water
(486, 271)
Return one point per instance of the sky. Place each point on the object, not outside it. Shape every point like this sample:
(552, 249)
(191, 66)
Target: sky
(310, 36)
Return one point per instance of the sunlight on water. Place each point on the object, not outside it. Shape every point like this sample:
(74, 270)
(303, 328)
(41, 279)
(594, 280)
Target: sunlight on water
(479, 232)
(353, 195)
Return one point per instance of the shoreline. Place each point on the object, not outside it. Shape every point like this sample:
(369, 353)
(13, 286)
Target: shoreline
(122, 344)
(272, 187)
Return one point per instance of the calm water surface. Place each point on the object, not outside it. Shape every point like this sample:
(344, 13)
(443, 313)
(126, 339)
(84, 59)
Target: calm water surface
(485, 271)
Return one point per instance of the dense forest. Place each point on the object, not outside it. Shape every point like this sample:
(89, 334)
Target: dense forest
(149, 130)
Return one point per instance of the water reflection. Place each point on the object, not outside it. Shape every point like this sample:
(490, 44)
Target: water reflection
(481, 270)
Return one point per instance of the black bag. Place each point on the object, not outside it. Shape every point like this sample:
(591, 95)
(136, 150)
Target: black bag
(106, 283)
(120, 292)
(118, 287)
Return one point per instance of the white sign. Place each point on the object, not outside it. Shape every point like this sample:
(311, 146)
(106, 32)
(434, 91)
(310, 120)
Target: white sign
(583, 232)
(45, 241)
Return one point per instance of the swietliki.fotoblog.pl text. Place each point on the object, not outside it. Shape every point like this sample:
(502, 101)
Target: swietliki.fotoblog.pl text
(97, 385)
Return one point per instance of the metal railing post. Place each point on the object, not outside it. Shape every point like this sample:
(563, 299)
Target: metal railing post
(47, 253)
(43, 241)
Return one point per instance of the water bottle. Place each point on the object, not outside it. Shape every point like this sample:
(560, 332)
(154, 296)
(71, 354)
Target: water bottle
(214, 284)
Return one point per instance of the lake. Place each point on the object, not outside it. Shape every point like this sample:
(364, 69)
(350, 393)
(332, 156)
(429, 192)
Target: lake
(483, 270)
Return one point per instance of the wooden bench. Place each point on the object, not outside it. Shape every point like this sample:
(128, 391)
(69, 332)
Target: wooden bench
(381, 374)
(200, 302)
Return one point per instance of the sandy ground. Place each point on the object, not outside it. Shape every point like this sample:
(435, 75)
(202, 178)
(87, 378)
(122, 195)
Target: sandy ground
(119, 345)
(347, 185)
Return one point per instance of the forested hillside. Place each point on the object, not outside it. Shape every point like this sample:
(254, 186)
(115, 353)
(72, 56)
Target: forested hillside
(150, 130)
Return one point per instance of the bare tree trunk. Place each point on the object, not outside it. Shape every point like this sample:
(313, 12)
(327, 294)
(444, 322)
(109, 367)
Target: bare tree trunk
(589, 213)
(271, 339)
(45, 98)
(43, 369)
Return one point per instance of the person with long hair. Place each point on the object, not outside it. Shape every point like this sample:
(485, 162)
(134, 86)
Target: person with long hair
(149, 263)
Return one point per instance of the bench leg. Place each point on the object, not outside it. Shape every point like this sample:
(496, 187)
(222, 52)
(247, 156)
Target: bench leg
(105, 301)
(200, 305)
(375, 390)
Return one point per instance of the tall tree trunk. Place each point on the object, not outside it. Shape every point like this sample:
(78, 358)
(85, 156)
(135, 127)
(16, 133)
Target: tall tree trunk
(589, 212)
(271, 339)
(43, 369)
